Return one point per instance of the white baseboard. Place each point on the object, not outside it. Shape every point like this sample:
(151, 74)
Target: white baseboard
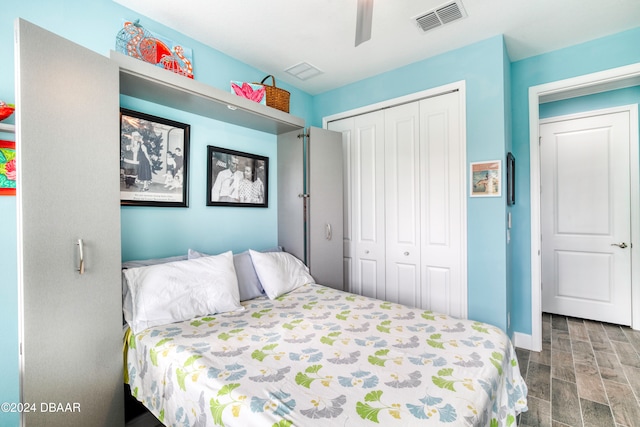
(522, 340)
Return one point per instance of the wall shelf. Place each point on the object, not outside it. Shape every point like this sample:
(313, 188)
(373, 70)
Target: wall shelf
(7, 128)
(150, 83)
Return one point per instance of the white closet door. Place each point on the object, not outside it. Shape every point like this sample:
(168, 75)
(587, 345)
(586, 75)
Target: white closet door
(442, 200)
(346, 128)
(68, 189)
(402, 204)
(366, 188)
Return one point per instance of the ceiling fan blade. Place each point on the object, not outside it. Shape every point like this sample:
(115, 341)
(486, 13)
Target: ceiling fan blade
(363, 21)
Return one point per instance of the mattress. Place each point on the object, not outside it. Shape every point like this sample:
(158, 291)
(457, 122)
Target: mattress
(322, 357)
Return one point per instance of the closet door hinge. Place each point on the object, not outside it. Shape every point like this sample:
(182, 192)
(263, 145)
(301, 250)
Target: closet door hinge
(304, 134)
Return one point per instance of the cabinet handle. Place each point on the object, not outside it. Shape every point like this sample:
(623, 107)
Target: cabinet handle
(81, 255)
(406, 254)
(327, 232)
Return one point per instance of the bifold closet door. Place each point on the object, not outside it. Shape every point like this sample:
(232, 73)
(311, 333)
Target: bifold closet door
(402, 203)
(68, 152)
(363, 139)
(405, 221)
(443, 191)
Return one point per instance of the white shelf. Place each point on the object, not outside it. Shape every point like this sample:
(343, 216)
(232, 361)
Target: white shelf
(148, 82)
(7, 128)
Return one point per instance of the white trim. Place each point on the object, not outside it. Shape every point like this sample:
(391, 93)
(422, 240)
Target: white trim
(460, 87)
(428, 93)
(588, 84)
(521, 340)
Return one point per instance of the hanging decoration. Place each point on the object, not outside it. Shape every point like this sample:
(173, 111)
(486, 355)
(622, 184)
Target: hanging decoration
(134, 40)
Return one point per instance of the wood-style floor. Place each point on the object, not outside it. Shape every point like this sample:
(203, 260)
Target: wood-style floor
(587, 374)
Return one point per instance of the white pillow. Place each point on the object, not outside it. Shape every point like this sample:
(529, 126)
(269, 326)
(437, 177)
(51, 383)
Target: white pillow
(248, 282)
(126, 295)
(279, 272)
(182, 290)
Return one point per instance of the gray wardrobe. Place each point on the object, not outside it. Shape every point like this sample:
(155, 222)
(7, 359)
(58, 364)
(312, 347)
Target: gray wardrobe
(310, 201)
(68, 210)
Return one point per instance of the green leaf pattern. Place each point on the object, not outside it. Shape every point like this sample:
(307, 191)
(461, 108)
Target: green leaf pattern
(320, 357)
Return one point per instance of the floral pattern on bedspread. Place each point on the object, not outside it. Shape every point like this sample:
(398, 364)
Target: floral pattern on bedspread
(322, 357)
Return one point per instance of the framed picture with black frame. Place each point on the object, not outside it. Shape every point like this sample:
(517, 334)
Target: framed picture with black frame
(154, 158)
(237, 179)
(511, 179)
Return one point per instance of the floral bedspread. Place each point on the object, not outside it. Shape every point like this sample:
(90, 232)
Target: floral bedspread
(322, 357)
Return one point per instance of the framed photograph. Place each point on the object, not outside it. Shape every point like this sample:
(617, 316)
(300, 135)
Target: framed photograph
(485, 179)
(154, 155)
(236, 179)
(511, 179)
(7, 168)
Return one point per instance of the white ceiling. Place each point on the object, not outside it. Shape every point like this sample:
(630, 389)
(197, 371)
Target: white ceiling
(273, 35)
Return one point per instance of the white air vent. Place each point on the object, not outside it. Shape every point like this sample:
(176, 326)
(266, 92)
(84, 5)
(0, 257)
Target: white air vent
(441, 15)
(303, 71)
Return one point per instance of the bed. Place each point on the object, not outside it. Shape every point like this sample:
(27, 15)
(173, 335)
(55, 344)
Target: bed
(315, 356)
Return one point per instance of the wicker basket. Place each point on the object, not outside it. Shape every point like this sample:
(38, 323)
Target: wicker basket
(276, 97)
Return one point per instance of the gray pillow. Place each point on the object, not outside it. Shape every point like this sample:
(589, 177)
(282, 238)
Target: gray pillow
(154, 261)
(248, 282)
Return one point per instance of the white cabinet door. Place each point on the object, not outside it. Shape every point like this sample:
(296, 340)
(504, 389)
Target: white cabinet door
(68, 170)
(402, 204)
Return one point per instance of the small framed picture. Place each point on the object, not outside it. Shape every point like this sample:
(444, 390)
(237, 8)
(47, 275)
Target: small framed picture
(237, 179)
(485, 178)
(7, 168)
(154, 155)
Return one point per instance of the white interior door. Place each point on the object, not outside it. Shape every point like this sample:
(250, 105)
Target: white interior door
(402, 204)
(585, 217)
(68, 189)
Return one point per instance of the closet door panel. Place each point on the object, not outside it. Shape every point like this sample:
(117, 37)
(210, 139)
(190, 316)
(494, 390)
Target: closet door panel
(68, 150)
(368, 205)
(346, 129)
(402, 203)
(442, 178)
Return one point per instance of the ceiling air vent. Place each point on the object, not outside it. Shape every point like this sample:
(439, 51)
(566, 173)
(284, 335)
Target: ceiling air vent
(441, 15)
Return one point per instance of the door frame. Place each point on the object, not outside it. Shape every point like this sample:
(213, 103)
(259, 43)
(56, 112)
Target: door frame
(460, 88)
(615, 78)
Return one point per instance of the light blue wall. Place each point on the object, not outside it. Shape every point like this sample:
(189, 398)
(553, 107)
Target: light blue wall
(146, 232)
(597, 55)
(485, 68)
(497, 119)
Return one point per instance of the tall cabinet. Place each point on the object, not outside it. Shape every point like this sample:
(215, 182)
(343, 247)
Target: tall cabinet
(404, 204)
(68, 210)
(310, 201)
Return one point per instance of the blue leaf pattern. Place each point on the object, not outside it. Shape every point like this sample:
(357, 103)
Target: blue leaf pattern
(319, 357)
